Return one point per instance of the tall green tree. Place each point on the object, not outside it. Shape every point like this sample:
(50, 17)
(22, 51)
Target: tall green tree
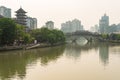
(20, 32)
(0, 35)
(7, 31)
(36, 33)
(22, 35)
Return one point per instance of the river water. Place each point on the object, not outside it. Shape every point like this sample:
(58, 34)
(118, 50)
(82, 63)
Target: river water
(92, 61)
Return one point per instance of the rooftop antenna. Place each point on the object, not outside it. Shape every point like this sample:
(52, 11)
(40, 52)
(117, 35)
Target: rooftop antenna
(20, 6)
(19, 3)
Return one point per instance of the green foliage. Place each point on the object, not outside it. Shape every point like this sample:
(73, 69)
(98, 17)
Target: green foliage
(112, 36)
(7, 31)
(22, 35)
(20, 32)
(36, 34)
(27, 38)
(115, 36)
(44, 35)
(52, 38)
(105, 36)
(11, 32)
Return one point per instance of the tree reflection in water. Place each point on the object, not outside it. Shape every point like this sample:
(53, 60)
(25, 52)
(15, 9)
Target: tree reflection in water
(14, 63)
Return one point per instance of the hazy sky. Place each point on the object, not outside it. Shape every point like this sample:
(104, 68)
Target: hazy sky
(59, 11)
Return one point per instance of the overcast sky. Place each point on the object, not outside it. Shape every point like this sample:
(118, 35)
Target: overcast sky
(59, 11)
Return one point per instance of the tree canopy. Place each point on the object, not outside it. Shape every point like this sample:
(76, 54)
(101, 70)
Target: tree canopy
(7, 31)
(44, 35)
(11, 32)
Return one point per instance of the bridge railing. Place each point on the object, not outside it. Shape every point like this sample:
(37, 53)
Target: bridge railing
(82, 33)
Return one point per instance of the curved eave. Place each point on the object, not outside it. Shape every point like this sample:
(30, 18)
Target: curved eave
(20, 11)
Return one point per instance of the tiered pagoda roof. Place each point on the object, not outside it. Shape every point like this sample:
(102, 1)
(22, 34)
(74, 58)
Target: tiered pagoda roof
(21, 17)
(20, 11)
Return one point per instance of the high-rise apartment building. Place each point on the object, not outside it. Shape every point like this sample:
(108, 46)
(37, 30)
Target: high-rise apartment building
(50, 25)
(71, 26)
(35, 23)
(104, 24)
(5, 12)
(95, 29)
(66, 27)
(31, 23)
(77, 25)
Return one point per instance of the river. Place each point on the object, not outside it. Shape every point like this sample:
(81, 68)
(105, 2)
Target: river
(92, 61)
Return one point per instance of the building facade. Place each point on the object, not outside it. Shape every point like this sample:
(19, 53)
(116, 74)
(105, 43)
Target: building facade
(35, 23)
(50, 25)
(5, 12)
(71, 26)
(104, 24)
(76, 24)
(31, 23)
(66, 27)
(95, 29)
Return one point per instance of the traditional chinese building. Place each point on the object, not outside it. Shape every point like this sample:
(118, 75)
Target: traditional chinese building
(21, 17)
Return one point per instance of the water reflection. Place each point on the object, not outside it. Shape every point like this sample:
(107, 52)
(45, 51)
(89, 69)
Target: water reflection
(15, 63)
(74, 50)
(104, 53)
(11, 64)
(50, 54)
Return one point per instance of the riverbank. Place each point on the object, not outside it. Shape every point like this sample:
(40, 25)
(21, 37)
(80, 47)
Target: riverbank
(29, 46)
(43, 45)
(110, 41)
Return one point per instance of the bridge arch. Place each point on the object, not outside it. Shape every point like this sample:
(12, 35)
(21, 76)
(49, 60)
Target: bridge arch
(89, 36)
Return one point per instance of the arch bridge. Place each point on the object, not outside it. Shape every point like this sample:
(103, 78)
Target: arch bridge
(89, 36)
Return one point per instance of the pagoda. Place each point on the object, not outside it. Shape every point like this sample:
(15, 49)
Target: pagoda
(21, 17)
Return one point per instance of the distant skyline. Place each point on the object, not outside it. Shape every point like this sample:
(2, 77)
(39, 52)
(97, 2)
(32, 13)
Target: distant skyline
(60, 11)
